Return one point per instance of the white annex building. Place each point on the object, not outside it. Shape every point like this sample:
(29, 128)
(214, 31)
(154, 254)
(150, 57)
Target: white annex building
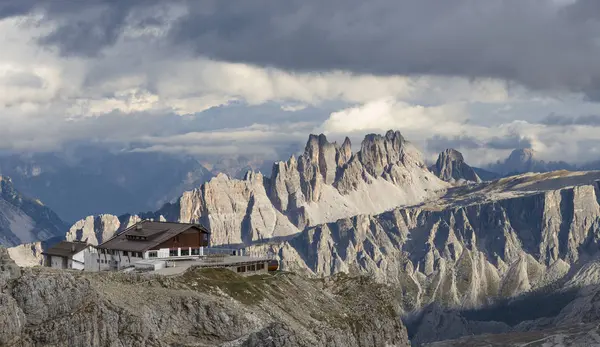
(70, 255)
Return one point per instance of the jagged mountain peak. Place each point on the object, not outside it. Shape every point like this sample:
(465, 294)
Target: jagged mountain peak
(451, 167)
(452, 154)
(325, 183)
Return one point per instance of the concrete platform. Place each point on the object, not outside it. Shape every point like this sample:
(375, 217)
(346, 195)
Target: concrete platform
(180, 266)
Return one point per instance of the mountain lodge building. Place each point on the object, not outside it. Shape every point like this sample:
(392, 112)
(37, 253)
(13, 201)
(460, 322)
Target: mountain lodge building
(147, 240)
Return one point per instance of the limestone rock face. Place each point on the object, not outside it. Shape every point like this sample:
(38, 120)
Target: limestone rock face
(500, 242)
(378, 152)
(94, 230)
(8, 269)
(198, 308)
(325, 183)
(28, 254)
(451, 167)
(236, 211)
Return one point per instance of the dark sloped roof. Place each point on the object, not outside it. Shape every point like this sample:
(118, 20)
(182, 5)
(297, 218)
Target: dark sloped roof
(155, 232)
(66, 248)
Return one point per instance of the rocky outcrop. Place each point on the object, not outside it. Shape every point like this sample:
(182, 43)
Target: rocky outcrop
(8, 269)
(327, 182)
(27, 255)
(45, 307)
(451, 167)
(95, 229)
(466, 250)
(25, 220)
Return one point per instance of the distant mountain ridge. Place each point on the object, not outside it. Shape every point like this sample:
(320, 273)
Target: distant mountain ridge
(24, 220)
(446, 248)
(523, 160)
(101, 181)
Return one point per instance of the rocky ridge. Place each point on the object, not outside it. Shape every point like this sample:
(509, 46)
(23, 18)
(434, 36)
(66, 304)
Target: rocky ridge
(478, 243)
(24, 220)
(451, 167)
(327, 182)
(45, 307)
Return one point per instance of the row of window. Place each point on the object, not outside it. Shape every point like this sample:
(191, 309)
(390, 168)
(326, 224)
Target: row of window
(250, 268)
(133, 254)
(125, 253)
(173, 253)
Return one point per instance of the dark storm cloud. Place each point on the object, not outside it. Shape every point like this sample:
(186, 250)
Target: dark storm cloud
(439, 143)
(538, 43)
(588, 120)
(83, 27)
(509, 142)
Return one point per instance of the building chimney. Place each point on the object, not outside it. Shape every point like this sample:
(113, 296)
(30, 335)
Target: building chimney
(72, 247)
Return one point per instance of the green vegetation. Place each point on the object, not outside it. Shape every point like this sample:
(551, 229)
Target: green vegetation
(249, 290)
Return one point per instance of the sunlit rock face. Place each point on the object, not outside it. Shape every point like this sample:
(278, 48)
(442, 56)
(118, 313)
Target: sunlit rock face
(327, 182)
(467, 249)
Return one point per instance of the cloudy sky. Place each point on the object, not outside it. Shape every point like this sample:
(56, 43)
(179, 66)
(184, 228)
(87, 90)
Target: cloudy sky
(256, 77)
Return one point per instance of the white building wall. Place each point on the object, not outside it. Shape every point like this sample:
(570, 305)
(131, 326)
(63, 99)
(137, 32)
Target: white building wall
(115, 260)
(77, 261)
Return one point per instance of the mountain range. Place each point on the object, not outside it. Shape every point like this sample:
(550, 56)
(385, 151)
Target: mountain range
(90, 180)
(464, 255)
(24, 220)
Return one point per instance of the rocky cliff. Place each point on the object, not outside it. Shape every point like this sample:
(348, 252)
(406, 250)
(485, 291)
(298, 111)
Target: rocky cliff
(471, 247)
(24, 220)
(327, 182)
(451, 167)
(45, 307)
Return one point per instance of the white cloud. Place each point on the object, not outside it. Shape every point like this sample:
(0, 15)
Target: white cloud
(385, 114)
(47, 100)
(573, 143)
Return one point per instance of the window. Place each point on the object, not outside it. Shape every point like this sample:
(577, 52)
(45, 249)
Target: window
(195, 251)
(241, 269)
(185, 252)
(205, 237)
(152, 254)
(260, 266)
(98, 261)
(252, 267)
(172, 253)
(139, 254)
(125, 253)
